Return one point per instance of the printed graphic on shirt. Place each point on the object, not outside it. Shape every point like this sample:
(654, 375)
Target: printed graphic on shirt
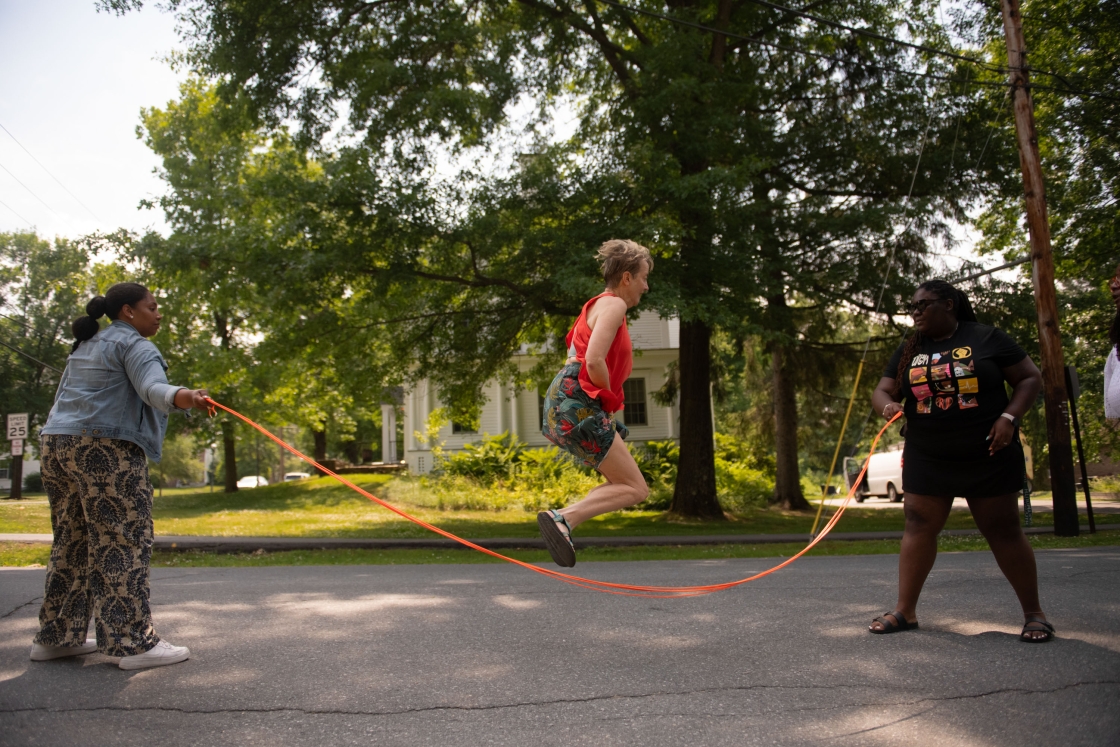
(945, 379)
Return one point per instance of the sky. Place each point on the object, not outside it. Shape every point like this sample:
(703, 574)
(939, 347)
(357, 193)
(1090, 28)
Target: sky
(74, 81)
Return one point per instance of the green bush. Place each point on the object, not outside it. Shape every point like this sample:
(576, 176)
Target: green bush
(657, 461)
(546, 478)
(740, 484)
(487, 461)
(498, 473)
(33, 483)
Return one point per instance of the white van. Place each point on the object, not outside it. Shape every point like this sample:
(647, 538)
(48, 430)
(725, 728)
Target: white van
(883, 478)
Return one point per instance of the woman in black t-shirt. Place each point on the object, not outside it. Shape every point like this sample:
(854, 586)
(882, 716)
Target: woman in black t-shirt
(962, 439)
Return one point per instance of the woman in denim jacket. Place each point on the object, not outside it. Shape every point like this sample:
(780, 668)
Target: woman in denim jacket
(109, 417)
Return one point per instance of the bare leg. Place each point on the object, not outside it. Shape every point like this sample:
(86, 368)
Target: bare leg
(998, 520)
(925, 518)
(624, 487)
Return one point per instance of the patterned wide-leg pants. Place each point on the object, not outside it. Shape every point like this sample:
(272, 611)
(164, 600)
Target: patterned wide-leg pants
(101, 515)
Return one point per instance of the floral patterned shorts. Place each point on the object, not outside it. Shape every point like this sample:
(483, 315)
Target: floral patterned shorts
(575, 422)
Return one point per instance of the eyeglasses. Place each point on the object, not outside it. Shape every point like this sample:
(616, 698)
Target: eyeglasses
(921, 306)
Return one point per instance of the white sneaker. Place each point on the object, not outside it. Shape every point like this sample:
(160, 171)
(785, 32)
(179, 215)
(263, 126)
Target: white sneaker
(162, 654)
(46, 653)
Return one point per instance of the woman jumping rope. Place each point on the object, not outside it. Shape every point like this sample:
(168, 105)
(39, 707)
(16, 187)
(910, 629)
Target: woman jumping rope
(582, 399)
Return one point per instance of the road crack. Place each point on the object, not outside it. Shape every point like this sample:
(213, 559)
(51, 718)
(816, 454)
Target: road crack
(17, 609)
(545, 703)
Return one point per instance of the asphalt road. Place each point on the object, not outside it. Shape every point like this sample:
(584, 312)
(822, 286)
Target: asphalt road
(474, 655)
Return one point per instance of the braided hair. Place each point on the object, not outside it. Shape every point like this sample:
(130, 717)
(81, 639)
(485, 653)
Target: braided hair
(962, 310)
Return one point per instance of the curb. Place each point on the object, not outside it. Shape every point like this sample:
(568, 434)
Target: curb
(181, 543)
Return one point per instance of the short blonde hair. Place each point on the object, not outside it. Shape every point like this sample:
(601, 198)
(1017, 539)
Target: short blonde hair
(619, 256)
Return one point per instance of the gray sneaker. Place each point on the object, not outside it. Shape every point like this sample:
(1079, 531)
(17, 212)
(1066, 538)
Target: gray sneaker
(160, 655)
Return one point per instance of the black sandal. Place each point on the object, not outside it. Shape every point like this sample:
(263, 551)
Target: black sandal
(893, 627)
(559, 544)
(1046, 628)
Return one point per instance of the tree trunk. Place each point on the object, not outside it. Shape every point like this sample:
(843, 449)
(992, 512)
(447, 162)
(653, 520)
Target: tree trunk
(320, 445)
(229, 459)
(787, 486)
(695, 492)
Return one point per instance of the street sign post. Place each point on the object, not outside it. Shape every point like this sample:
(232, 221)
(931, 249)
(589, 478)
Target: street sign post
(17, 431)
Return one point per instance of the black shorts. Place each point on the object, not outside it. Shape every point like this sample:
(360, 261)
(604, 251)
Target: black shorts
(954, 462)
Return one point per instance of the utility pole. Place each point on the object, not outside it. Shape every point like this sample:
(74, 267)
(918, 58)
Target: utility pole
(1056, 397)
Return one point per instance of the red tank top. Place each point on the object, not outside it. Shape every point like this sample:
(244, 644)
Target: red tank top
(620, 359)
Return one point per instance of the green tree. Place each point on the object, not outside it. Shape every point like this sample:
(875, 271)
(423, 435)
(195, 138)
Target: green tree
(1074, 53)
(44, 286)
(765, 159)
(180, 461)
(250, 322)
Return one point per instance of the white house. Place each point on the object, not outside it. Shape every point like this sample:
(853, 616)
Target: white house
(656, 343)
(30, 467)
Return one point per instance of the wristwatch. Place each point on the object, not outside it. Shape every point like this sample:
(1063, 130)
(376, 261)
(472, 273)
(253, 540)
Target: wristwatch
(1014, 420)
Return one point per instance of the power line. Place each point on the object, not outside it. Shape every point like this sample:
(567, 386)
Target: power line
(52, 176)
(31, 357)
(13, 212)
(893, 40)
(872, 65)
(32, 329)
(37, 197)
(1004, 266)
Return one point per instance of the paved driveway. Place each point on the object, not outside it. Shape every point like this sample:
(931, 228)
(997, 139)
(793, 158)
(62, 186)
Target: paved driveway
(469, 655)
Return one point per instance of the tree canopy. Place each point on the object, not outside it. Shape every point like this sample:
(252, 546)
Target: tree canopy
(771, 164)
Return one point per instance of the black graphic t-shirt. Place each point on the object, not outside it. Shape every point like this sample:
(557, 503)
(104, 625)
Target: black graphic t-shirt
(956, 382)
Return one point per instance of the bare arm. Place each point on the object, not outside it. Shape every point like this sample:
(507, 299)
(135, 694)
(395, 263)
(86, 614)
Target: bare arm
(882, 399)
(185, 399)
(1026, 382)
(606, 317)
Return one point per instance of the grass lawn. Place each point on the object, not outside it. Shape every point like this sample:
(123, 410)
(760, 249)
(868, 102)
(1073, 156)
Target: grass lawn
(325, 508)
(14, 554)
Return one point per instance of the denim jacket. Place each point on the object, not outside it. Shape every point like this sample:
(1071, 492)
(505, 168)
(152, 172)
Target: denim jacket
(114, 386)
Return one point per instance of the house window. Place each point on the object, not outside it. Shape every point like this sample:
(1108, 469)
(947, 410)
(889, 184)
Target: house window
(634, 391)
(4, 473)
(540, 406)
(457, 428)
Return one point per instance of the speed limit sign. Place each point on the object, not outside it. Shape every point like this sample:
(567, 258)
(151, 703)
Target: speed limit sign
(17, 425)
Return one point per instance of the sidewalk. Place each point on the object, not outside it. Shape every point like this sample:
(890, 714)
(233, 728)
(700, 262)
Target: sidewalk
(274, 544)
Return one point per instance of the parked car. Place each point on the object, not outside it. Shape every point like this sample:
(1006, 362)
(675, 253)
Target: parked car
(252, 481)
(290, 476)
(883, 478)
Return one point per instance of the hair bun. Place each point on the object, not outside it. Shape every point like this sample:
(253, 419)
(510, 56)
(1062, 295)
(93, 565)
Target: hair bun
(97, 307)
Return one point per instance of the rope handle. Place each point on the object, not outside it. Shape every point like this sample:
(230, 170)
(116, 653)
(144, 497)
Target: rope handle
(656, 592)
